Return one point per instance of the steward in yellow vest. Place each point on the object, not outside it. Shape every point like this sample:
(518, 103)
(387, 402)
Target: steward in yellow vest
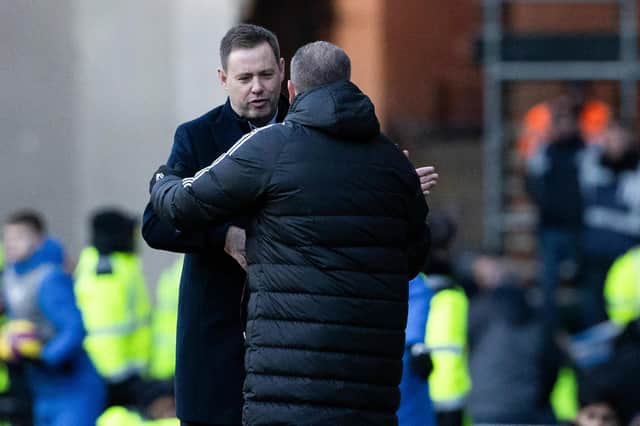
(162, 362)
(446, 329)
(112, 296)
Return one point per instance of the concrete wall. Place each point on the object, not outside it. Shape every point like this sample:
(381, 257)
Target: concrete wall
(91, 94)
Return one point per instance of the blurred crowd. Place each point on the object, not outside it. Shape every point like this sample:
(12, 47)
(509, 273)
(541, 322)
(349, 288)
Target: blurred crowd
(486, 344)
(81, 343)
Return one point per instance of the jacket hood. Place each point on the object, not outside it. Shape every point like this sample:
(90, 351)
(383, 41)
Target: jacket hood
(339, 109)
(51, 251)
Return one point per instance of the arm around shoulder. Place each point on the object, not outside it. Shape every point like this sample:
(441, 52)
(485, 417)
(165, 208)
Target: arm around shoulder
(237, 180)
(161, 234)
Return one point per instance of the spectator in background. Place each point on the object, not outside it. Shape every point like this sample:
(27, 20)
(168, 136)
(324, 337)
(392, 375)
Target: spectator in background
(537, 127)
(416, 408)
(610, 366)
(163, 325)
(552, 183)
(15, 400)
(446, 329)
(122, 416)
(511, 352)
(67, 389)
(597, 410)
(610, 183)
(114, 301)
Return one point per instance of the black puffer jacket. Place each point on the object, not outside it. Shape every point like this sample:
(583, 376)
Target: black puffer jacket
(338, 230)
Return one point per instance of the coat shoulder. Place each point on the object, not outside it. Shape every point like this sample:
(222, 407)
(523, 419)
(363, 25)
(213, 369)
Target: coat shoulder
(203, 123)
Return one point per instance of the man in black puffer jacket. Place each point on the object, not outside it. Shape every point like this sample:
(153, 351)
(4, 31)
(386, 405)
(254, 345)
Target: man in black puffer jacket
(338, 229)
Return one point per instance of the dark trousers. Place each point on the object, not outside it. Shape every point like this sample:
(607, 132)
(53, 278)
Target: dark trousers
(592, 277)
(558, 250)
(183, 423)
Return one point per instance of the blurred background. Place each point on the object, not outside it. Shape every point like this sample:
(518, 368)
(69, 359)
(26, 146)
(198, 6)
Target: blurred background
(92, 92)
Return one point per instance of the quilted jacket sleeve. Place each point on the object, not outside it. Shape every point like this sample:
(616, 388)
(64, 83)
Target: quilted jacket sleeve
(233, 184)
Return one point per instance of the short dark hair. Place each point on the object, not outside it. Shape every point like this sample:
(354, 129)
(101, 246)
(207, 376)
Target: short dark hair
(112, 230)
(30, 218)
(246, 36)
(319, 63)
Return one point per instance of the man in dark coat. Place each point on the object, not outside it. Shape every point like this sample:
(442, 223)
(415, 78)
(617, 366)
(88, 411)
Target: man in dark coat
(210, 347)
(337, 230)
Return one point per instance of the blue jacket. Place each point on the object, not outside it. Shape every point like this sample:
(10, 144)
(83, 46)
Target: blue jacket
(64, 367)
(415, 408)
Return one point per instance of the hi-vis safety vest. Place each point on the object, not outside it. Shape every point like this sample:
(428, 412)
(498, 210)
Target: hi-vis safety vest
(120, 416)
(446, 338)
(622, 288)
(162, 363)
(536, 128)
(114, 301)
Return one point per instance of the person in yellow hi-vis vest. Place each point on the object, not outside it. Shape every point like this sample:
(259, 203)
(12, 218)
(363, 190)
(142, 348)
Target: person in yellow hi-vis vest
(446, 329)
(162, 362)
(622, 288)
(446, 339)
(121, 416)
(114, 301)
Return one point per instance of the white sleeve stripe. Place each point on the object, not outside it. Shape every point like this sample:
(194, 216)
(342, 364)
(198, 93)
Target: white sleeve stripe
(246, 137)
(187, 182)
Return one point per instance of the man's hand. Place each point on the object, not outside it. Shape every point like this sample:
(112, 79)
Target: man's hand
(160, 174)
(428, 176)
(235, 245)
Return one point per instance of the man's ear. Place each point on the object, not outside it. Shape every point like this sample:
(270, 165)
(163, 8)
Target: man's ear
(222, 78)
(281, 64)
(292, 91)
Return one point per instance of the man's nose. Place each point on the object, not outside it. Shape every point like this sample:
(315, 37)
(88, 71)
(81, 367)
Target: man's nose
(256, 85)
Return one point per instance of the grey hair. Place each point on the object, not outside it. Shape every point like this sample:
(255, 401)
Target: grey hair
(319, 63)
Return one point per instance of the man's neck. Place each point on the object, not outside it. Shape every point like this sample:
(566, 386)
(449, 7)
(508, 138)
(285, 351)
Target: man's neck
(255, 125)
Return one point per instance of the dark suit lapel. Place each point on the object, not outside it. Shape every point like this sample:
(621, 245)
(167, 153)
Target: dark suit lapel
(227, 128)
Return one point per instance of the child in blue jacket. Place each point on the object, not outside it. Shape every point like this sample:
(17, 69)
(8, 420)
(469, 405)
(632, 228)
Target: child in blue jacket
(67, 389)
